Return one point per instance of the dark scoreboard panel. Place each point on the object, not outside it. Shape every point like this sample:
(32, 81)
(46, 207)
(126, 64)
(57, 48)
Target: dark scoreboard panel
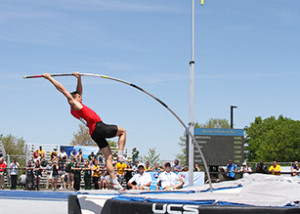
(219, 145)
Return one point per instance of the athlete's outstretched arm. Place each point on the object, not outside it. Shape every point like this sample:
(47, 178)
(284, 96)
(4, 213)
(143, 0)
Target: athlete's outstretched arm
(79, 84)
(73, 103)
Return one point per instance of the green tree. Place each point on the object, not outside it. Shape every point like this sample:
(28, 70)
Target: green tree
(213, 123)
(15, 147)
(152, 157)
(273, 139)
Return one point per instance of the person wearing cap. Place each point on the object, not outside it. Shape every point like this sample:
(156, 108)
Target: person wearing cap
(142, 179)
(245, 170)
(167, 179)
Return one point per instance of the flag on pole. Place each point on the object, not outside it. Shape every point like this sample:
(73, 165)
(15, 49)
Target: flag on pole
(202, 2)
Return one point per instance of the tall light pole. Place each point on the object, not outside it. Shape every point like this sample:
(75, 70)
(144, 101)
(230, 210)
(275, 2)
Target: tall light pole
(192, 84)
(231, 116)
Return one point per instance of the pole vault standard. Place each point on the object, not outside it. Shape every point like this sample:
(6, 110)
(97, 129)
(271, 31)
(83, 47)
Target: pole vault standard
(151, 95)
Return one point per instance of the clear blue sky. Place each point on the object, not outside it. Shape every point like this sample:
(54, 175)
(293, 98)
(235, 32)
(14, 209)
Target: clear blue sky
(246, 53)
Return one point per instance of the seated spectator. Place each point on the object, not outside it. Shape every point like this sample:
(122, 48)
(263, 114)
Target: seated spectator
(231, 170)
(157, 168)
(197, 168)
(91, 156)
(100, 156)
(142, 180)
(54, 155)
(2, 171)
(1, 154)
(73, 155)
(128, 175)
(41, 153)
(167, 179)
(63, 157)
(79, 156)
(35, 155)
(115, 157)
(14, 174)
(177, 167)
(245, 169)
(22, 180)
(120, 167)
(135, 166)
(103, 180)
(147, 166)
(261, 168)
(275, 169)
(43, 162)
(296, 169)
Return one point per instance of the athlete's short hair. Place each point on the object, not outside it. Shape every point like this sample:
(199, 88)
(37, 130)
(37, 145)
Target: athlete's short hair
(74, 93)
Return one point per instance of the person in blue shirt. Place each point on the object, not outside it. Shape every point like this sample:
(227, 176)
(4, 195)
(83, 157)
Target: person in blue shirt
(231, 169)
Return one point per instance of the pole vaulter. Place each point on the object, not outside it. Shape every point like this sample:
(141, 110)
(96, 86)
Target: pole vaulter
(151, 95)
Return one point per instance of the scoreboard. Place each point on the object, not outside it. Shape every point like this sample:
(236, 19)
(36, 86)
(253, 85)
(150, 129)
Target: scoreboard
(218, 146)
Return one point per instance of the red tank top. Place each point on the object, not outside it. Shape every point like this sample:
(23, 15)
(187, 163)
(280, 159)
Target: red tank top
(87, 116)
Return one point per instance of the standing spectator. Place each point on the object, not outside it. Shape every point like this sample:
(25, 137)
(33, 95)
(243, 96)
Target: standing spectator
(261, 168)
(142, 179)
(29, 176)
(197, 168)
(77, 176)
(231, 170)
(61, 175)
(63, 157)
(70, 174)
(38, 174)
(41, 153)
(35, 155)
(1, 154)
(275, 169)
(177, 167)
(43, 162)
(48, 172)
(245, 169)
(167, 179)
(147, 166)
(87, 175)
(135, 155)
(54, 175)
(96, 174)
(296, 169)
(14, 174)
(2, 171)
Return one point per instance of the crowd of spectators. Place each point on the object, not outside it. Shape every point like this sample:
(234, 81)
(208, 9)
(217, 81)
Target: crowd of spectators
(72, 172)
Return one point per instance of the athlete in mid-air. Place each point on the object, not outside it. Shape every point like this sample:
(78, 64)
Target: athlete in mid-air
(99, 131)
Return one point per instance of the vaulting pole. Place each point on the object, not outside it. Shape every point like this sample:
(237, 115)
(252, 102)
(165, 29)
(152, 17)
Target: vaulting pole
(151, 95)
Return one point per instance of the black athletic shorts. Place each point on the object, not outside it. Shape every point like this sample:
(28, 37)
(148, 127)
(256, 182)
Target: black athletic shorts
(103, 131)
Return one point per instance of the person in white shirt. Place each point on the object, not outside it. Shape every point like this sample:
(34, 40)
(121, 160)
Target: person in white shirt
(167, 179)
(142, 179)
(245, 170)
